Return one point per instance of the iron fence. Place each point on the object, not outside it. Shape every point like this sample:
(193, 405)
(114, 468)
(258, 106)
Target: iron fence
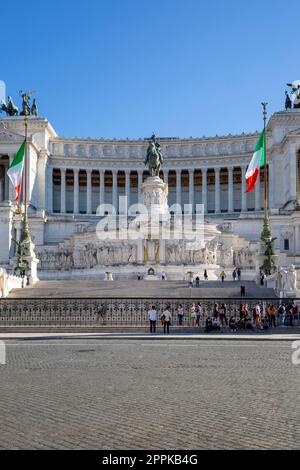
(121, 312)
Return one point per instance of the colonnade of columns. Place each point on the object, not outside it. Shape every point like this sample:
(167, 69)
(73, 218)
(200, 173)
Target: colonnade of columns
(203, 188)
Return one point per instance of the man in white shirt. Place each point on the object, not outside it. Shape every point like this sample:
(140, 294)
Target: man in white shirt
(167, 319)
(152, 314)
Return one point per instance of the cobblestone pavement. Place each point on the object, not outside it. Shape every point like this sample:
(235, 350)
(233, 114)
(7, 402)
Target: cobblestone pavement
(79, 394)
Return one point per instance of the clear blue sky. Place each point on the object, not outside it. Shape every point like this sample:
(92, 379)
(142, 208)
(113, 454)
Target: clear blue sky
(125, 68)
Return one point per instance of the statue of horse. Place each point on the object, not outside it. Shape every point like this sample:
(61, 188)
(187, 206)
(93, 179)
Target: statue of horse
(154, 158)
(10, 109)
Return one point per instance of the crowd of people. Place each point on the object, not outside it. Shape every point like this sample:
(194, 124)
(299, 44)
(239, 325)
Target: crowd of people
(261, 316)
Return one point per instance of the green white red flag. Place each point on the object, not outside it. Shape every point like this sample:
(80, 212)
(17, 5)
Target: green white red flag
(15, 171)
(257, 161)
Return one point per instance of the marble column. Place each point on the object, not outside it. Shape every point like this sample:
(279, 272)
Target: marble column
(297, 239)
(76, 191)
(230, 189)
(62, 190)
(6, 183)
(243, 189)
(11, 189)
(2, 183)
(89, 191)
(166, 175)
(140, 182)
(115, 189)
(271, 185)
(217, 191)
(178, 186)
(204, 189)
(127, 187)
(102, 187)
(257, 194)
(191, 189)
(50, 188)
(41, 178)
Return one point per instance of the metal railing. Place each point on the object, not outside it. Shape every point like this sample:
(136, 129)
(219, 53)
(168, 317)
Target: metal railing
(121, 312)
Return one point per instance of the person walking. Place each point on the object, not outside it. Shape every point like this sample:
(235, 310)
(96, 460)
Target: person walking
(168, 319)
(239, 273)
(152, 314)
(197, 281)
(243, 291)
(223, 275)
(205, 275)
(234, 274)
(180, 313)
(191, 280)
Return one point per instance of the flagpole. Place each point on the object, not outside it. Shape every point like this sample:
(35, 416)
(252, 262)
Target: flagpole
(26, 233)
(266, 199)
(267, 241)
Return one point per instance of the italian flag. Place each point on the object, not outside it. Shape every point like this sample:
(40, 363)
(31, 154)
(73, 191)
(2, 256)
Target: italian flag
(257, 161)
(15, 170)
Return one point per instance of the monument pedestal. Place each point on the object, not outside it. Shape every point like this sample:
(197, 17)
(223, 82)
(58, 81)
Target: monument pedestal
(155, 198)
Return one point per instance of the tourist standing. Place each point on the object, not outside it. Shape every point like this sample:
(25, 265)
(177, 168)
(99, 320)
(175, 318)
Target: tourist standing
(257, 317)
(234, 274)
(294, 312)
(101, 313)
(198, 313)
(180, 313)
(281, 315)
(197, 281)
(239, 273)
(192, 315)
(163, 276)
(223, 316)
(216, 311)
(191, 280)
(168, 319)
(205, 275)
(223, 275)
(243, 291)
(152, 313)
(271, 311)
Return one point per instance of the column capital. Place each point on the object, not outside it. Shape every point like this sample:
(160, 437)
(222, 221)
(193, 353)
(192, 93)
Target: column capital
(89, 171)
(217, 169)
(76, 170)
(63, 170)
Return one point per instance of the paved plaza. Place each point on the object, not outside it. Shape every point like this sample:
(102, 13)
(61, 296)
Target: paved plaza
(132, 288)
(184, 394)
